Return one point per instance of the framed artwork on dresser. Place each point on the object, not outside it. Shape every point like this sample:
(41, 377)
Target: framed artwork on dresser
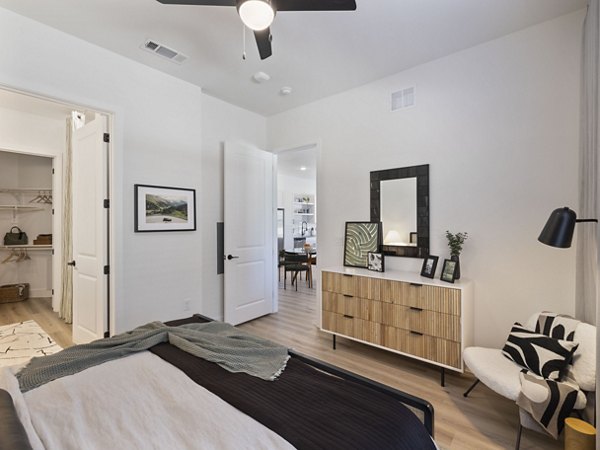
(360, 238)
(429, 265)
(376, 262)
(449, 271)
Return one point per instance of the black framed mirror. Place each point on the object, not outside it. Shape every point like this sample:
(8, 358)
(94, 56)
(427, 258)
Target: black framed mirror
(400, 201)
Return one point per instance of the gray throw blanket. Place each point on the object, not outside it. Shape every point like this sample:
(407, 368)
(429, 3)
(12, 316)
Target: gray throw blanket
(217, 342)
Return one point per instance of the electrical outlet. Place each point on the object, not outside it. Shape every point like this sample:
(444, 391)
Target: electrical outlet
(186, 304)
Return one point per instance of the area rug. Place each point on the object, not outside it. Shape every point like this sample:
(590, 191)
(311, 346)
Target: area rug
(19, 342)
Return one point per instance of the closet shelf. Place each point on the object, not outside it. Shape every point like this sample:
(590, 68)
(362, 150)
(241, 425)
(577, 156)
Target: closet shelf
(26, 247)
(23, 208)
(22, 190)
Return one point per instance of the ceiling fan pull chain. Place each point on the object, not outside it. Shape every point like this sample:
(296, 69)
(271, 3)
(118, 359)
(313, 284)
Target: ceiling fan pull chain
(244, 42)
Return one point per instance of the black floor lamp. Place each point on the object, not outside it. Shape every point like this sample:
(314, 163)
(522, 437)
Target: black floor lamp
(558, 231)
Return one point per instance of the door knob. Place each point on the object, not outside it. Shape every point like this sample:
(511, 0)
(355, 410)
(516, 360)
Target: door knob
(230, 257)
(71, 263)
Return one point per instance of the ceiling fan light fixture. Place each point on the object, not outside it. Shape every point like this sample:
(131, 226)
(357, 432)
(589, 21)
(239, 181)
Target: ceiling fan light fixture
(257, 15)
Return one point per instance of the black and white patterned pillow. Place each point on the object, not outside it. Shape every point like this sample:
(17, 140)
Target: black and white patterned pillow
(543, 355)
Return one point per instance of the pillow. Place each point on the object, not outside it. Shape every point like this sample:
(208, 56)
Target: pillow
(543, 355)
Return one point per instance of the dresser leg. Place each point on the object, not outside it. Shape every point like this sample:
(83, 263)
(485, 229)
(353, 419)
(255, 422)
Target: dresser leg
(443, 377)
(334, 341)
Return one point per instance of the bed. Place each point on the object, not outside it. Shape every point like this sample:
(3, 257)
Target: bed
(167, 398)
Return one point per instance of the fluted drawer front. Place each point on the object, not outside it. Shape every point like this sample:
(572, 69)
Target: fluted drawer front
(414, 343)
(365, 330)
(346, 304)
(338, 323)
(432, 298)
(340, 283)
(431, 323)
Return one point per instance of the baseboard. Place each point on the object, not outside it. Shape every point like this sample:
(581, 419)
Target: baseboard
(40, 293)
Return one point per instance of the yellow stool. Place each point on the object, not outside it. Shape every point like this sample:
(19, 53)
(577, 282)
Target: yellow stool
(579, 435)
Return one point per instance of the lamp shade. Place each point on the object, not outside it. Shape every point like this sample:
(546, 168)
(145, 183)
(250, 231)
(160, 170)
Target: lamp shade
(559, 228)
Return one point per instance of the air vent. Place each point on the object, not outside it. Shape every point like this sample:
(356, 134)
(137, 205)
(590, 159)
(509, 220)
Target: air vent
(404, 98)
(165, 52)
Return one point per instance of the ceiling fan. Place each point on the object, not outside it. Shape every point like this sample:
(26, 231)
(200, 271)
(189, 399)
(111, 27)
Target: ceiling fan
(259, 14)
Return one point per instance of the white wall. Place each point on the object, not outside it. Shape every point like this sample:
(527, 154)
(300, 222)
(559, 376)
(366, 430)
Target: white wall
(156, 140)
(221, 121)
(498, 124)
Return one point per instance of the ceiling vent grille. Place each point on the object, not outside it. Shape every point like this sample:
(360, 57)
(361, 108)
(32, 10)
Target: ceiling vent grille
(165, 52)
(404, 98)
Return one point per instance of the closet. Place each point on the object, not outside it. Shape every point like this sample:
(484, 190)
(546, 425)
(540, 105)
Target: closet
(26, 202)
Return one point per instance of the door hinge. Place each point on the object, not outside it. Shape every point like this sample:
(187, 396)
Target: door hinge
(106, 137)
(52, 211)
(53, 251)
(107, 203)
(106, 270)
(52, 171)
(52, 291)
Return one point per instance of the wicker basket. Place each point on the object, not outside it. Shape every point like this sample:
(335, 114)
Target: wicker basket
(14, 292)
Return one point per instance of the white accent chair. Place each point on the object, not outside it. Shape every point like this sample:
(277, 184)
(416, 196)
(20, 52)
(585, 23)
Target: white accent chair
(501, 374)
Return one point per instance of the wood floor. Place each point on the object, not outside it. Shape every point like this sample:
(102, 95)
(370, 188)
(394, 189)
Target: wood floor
(40, 310)
(483, 421)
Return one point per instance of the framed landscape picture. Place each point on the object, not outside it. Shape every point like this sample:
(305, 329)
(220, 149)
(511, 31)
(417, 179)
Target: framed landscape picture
(361, 238)
(162, 208)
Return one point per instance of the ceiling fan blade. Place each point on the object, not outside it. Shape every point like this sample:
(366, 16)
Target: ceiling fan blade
(199, 2)
(315, 5)
(263, 41)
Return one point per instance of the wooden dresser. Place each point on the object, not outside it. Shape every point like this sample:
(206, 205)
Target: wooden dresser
(402, 312)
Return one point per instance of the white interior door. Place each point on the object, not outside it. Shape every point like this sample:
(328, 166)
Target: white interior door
(90, 156)
(250, 238)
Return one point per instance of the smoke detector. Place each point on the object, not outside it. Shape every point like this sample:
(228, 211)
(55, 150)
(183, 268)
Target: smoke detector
(164, 51)
(261, 77)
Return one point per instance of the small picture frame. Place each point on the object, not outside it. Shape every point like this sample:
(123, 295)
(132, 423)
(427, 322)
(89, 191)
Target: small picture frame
(376, 262)
(429, 266)
(448, 271)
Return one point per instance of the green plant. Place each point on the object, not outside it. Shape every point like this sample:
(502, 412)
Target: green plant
(456, 241)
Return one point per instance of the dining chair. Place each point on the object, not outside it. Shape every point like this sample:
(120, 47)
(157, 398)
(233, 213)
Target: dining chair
(296, 263)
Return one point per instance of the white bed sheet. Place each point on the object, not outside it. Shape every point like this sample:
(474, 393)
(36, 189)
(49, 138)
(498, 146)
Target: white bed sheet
(137, 402)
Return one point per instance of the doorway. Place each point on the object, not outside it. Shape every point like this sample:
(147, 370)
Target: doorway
(33, 139)
(297, 201)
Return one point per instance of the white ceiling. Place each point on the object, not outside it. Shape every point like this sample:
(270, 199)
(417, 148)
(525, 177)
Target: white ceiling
(316, 53)
(290, 162)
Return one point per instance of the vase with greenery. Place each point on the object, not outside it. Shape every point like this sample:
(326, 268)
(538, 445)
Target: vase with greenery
(455, 242)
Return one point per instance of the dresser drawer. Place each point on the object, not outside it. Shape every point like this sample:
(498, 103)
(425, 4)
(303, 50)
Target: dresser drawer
(340, 283)
(433, 323)
(338, 323)
(431, 348)
(345, 304)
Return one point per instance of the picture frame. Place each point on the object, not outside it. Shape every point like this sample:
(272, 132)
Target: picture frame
(360, 238)
(429, 266)
(164, 208)
(375, 262)
(449, 271)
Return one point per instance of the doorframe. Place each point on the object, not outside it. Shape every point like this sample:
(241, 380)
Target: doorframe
(110, 194)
